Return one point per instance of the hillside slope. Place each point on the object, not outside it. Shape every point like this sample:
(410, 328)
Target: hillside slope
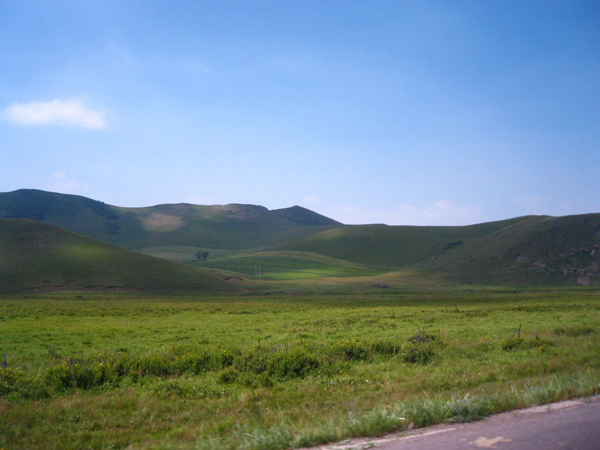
(541, 248)
(531, 249)
(392, 246)
(230, 227)
(35, 255)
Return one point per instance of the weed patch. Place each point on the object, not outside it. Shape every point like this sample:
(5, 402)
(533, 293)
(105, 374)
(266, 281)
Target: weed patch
(574, 331)
(517, 343)
(251, 367)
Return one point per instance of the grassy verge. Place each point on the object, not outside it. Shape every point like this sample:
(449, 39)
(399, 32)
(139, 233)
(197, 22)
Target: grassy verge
(420, 412)
(131, 371)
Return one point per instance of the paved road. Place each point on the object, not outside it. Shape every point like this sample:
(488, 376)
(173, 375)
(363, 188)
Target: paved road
(571, 425)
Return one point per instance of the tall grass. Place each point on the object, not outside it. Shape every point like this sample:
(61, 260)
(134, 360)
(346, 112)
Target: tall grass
(295, 360)
(418, 413)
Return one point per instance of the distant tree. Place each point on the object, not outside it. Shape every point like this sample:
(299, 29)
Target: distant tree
(201, 256)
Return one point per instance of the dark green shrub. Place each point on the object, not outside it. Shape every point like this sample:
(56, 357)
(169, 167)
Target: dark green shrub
(9, 380)
(515, 343)
(14, 383)
(253, 362)
(575, 331)
(253, 380)
(71, 374)
(351, 350)
(417, 353)
(387, 347)
(511, 344)
(228, 375)
(423, 337)
(293, 363)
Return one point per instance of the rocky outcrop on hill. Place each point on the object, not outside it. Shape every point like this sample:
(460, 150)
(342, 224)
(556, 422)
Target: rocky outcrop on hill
(582, 264)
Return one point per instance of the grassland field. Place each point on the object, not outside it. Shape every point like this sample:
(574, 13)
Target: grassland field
(279, 265)
(258, 371)
(289, 266)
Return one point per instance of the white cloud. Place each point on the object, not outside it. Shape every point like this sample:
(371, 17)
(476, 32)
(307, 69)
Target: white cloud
(64, 184)
(441, 213)
(56, 112)
(311, 200)
(535, 204)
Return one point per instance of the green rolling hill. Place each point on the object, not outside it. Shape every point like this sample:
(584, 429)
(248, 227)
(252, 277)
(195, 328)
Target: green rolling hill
(391, 246)
(231, 227)
(540, 249)
(35, 255)
(296, 243)
(526, 250)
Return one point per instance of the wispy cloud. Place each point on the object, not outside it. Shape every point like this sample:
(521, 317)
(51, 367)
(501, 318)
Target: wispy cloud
(311, 200)
(440, 213)
(441, 210)
(56, 112)
(65, 185)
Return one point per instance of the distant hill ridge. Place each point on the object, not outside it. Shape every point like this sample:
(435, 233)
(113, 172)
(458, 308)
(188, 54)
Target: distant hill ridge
(233, 226)
(524, 250)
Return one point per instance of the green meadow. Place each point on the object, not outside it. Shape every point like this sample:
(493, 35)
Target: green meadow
(288, 266)
(268, 370)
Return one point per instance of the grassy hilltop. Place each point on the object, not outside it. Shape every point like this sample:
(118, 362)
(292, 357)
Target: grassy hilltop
(35, 255)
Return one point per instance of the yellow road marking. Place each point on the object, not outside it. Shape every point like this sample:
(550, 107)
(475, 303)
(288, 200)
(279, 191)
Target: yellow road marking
(489, 443)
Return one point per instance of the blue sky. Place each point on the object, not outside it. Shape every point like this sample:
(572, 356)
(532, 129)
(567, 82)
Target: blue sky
(397, 112)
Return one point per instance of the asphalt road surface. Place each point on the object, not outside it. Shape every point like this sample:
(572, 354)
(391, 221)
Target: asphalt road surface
(570, 425)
